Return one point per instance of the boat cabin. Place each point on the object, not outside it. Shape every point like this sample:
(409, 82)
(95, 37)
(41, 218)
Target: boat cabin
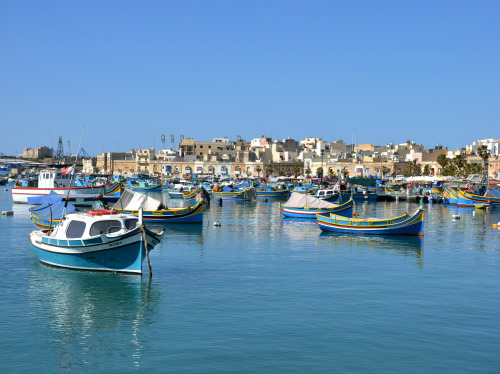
(52, 178)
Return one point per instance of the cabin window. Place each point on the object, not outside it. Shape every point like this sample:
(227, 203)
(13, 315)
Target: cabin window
(105, 227)
(75, 229)
(131, 223)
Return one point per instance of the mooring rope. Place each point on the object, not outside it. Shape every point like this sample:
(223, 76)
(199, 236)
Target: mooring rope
(145, 240)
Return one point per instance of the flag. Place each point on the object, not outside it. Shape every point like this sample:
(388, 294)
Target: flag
(68, 170)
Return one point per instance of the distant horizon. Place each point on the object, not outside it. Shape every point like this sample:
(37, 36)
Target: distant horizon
(378, 72)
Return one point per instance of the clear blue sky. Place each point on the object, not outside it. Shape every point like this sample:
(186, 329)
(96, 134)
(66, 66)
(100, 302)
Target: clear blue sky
(381, 71)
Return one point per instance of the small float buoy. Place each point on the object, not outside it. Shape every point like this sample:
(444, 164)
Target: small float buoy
(5, 189)
(7, 213)
(495, 225)
(455, 216)
(217, 223)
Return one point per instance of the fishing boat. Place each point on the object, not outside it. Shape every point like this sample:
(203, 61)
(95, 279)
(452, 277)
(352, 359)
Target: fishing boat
(402, 225)
(52, 180)
(228, 193)
(328, 194)
(197, 194)
(401, 192)
(155, 212)
(376, 189)
(306, 206)
(101, 240)
(272, 191)
(48, 210)
(144, 186)
(177, 191)
(467, 199)
(449, 194)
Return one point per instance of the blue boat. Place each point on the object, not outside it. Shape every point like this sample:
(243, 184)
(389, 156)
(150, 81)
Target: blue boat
(305, 206)
(403, 225)
(154, 212)
(99, 240)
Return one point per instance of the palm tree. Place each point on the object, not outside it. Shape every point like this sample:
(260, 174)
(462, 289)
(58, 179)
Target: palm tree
(485, 154)
(270, 169)
(308, 172)
(385, 170)
(319, 172)
(296, 170)
(258, 169)
(459, 161)
(331, 173)
(427, 170)
(442, 160)
(345, 172)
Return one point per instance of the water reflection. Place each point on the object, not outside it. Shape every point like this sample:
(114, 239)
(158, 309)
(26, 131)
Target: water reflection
(86, 312)
(189, 233)
(403, 245)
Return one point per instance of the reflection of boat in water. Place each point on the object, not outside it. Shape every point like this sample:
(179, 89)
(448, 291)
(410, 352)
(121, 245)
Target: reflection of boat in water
(407, 245)
(81, 314)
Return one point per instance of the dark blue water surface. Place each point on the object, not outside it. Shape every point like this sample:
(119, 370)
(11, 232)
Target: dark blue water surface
(263, 294)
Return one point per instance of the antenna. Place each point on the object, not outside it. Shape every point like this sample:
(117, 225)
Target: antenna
(51, 144)
(163, 141)
(69, 149)
(172, 140)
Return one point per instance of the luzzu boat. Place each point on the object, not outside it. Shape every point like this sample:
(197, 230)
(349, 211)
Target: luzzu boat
(154, 212)
(376, 189)
(145, 186)
(101, 240)
(403, 225)
(227, 193)
(197, 194)
(450, 195)
(467, 199)
(305, 206)
(271, 191)
(402, 192)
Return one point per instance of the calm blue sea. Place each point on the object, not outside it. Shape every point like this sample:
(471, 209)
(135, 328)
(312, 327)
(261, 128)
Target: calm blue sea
(263, 294)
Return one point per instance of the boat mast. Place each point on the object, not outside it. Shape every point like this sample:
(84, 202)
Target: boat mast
(72, 173)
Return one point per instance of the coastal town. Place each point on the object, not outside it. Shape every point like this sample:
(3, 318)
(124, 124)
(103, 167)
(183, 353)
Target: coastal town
(264, 157)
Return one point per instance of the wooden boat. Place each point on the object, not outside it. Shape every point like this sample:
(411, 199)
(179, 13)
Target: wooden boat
(305, 206)
(96, 240)
(401, 192)
(271, 191)
(245, 194)
(177, 191)
(47, 215)
(197, 194)
(145, 186)
(155, 212)
(402, 225)
(466, 199)
(376, 189)
(327, 195)
(52, 180)
(449, 195)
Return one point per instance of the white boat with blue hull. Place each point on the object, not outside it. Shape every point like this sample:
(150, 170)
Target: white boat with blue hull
(101, 240)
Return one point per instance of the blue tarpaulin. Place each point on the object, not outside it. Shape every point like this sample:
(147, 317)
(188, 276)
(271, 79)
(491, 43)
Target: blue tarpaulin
(51, 198)
(227, 189)
(50, 211)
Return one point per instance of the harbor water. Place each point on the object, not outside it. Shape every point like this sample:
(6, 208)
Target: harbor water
(263, 294)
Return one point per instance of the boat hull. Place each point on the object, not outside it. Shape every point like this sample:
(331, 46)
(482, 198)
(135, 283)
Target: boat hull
(404, 225)
(20, 194)
(124, 254)
(344, 210)
(192, 214)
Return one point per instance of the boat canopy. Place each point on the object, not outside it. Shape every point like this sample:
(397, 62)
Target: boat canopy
(52, 198)
(300, 200)
(51, 210)
(131, 200)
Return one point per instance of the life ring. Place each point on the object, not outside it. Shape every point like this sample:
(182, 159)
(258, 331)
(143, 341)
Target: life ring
(101, 212)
